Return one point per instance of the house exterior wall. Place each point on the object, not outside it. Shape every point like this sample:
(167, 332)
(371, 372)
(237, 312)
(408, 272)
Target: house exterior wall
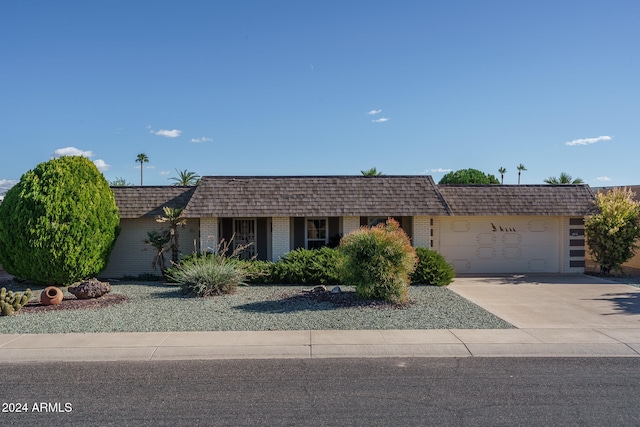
(349, 224)
(132, 257)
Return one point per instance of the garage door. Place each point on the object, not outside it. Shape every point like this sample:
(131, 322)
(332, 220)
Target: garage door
(501, 245)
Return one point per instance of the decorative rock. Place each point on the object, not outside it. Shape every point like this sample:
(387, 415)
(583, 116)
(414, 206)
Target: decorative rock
(336, 290)
(51, 296)
(92, 288)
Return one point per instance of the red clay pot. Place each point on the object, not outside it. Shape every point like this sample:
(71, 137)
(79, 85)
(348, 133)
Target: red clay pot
(51, 296)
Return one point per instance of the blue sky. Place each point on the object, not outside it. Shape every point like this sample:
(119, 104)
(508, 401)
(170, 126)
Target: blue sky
(323, 87)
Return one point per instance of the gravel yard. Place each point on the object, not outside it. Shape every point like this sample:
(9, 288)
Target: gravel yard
(156, 307)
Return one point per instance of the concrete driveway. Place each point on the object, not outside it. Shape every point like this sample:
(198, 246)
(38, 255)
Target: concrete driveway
(554, 301)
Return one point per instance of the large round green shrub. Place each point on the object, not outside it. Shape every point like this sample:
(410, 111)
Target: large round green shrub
(378, 261)
(58, 225)
(432, 269)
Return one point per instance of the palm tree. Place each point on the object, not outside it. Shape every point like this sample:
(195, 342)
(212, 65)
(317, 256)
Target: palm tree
(371, 172)
(142, 158)
(563, 179)
(158, 240)
(521, 168)
(502, 171)
(174, 217)
(186, 178)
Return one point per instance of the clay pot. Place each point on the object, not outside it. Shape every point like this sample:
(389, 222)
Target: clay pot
(51, 296)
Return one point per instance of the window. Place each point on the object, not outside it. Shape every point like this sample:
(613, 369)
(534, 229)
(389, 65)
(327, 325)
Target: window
(316, 233)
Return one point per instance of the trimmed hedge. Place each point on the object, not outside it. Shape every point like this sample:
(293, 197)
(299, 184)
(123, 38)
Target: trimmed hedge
(432, 269)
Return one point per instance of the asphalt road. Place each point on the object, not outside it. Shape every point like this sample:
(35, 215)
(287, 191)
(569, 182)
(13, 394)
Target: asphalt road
(325, 392)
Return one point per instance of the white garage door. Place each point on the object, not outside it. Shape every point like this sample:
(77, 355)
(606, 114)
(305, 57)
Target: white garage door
(501, 244)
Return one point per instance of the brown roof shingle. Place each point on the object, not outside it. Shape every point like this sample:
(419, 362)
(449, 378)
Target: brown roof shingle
(220, 196)
(147, 201)
(544, 200)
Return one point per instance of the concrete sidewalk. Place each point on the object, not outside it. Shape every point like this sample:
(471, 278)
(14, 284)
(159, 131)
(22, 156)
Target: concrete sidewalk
(527, 342)
(556, 316)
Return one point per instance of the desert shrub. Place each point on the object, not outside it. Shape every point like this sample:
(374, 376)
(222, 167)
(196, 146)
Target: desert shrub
(378, 261)
(258, 271)
(58, 225)
(209, 274)
(613, 230)
(432, 268)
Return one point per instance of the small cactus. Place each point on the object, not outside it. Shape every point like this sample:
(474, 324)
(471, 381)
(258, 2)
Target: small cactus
(10, 302)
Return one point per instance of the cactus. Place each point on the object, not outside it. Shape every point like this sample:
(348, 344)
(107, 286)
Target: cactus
(10, 302)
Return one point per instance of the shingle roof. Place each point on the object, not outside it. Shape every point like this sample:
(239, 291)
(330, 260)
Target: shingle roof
(219, 196)
(545, 200)
(147, 201)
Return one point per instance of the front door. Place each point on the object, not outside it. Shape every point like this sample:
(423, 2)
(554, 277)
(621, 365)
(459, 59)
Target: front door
(245, 235)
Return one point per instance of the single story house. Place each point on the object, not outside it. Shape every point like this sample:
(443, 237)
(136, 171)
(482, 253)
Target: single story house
(478, 228)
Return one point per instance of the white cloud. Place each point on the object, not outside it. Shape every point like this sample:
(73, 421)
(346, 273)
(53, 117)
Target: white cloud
(374, 112)
(102, 165)
(603, 178)
(202, 139)
(440, 170)
(6, 184)
(587, 141)
(380, 120)
(163, 173)
(71, 151)
(174, 133)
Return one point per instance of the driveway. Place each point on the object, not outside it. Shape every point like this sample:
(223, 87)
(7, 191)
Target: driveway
(553, 301)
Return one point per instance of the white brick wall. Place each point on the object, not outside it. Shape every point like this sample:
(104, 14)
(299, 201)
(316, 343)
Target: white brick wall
(421, 231)
(349, 224)
(281, 235)
(209, 237)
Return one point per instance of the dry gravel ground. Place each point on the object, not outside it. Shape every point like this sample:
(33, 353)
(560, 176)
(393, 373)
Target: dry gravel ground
(157, 307)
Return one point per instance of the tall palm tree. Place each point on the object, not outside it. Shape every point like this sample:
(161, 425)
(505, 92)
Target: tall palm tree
(371, 172)
(186, 178)
(502, 171)
(521, 168)
(142, 158)
(563, 179)
(174, 217)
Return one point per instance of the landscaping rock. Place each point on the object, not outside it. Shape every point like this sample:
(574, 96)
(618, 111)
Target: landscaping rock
(92, 288)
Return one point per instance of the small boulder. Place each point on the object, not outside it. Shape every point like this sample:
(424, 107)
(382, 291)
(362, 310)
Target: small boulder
(92, 288)
(336, 290)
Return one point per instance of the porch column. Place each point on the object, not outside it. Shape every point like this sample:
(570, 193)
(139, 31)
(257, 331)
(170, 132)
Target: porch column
(349, 224)
(281, 237)
(209, 237)
(421, 232)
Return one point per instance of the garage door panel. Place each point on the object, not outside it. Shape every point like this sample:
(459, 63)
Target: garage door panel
(496, 245)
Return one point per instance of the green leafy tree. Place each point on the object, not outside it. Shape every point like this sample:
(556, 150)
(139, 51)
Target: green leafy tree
(563, 179)
(58, 225)
(173, 216)
(612, 232)
(502, 171)
(468, 176)
(371, 172)
(521, 169)
(120, 182)
(185, 178)
(142, 158)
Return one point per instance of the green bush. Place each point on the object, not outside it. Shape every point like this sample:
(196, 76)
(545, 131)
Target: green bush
(432, 268)
(378, 261)
(208, 275)
(307, 267)
(58, 225)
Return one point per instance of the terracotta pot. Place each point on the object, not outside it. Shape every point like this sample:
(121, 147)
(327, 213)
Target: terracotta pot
(51, 296)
